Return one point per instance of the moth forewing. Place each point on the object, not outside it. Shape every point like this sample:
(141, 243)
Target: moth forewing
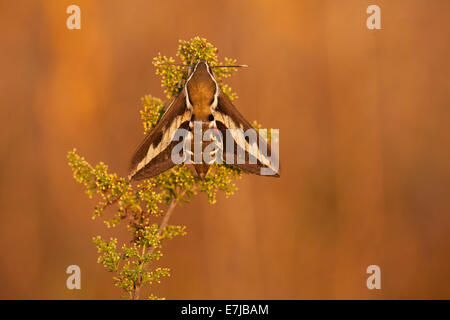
(152, 156)
(228, 119)
(182, 151)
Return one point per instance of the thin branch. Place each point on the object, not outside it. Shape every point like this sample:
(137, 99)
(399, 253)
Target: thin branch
(165, 220)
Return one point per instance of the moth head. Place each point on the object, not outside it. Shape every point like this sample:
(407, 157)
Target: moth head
(200, 66)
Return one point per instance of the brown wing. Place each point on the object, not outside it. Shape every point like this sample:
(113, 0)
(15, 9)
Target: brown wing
(226, 117)
(153, 156)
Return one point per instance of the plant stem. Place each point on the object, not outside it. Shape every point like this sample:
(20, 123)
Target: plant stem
(165, 220)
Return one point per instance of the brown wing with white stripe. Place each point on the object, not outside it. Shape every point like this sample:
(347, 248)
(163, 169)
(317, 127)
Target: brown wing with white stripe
(153, 156)
(226, 116)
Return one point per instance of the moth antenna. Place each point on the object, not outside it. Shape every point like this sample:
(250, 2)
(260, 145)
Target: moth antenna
(172, 64)
(232, 66)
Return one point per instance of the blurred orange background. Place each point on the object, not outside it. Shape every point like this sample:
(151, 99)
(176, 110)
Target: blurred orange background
(364, 137)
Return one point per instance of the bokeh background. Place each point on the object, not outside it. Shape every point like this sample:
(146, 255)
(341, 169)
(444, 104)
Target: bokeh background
(364, 136)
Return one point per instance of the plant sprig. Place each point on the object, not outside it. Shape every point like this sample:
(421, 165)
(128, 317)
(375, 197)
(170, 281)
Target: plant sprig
(133, 264)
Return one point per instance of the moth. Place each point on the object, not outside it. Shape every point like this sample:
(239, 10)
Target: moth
(202, 102)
